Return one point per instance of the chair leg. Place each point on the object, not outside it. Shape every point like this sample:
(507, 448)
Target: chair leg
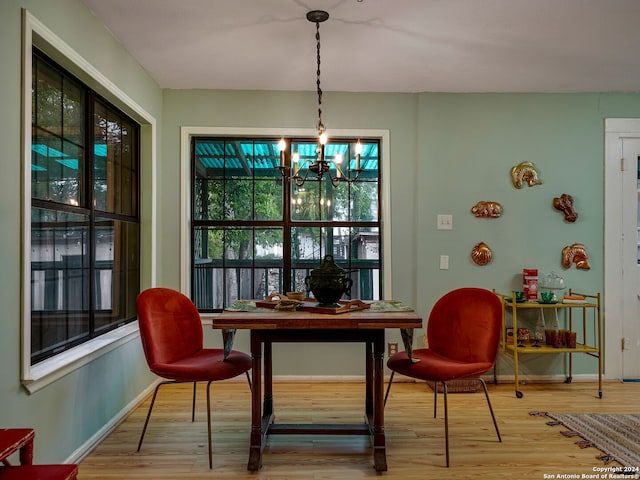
(193, 404)
(435, 398)
(153, 400)
(446, 422)
(249, 380)
(388, 388)
(209, 424)
(493, 417)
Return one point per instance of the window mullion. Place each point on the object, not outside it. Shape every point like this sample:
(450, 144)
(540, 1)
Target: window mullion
(287, 227)
(88, 194)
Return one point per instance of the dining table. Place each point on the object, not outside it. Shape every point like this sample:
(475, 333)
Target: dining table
(268, 326)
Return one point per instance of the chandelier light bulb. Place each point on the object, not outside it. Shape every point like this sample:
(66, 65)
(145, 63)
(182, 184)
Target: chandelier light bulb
(296, 159)
(323, 138)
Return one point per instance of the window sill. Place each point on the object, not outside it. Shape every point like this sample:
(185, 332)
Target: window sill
(44, 373)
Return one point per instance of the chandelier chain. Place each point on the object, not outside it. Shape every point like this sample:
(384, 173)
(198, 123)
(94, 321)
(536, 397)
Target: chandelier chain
(301, 169)
(318, 89)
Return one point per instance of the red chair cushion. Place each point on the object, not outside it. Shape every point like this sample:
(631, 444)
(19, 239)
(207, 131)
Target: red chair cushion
(39, 472)
(435, 368)
(205, 365)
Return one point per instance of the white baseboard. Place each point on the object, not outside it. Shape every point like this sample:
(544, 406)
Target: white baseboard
(81, 452)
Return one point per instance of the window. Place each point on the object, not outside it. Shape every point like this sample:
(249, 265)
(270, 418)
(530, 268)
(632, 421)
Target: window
(253, 233)
(85, 227)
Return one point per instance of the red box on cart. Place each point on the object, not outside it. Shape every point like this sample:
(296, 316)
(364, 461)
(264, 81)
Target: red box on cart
(530, 283)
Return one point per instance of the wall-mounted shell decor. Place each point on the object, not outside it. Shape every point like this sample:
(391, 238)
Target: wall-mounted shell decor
(564, 203)
(525, 173)
(577, 254)
(481, 254)
(484, 209)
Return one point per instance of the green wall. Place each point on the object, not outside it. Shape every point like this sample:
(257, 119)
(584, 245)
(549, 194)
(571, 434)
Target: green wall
(469, 143)
(448, 151)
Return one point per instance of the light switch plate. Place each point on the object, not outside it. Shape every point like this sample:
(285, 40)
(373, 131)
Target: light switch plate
(445, 222)
(444, 262)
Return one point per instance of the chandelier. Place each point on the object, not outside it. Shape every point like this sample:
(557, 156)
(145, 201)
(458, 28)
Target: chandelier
(321, 165)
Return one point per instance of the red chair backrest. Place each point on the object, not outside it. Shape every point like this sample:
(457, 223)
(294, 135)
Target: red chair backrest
(170, 326)
(465, 324)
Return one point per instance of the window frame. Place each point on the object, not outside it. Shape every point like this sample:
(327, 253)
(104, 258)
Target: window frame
(35, 34)
(187, 133)
(86, 204)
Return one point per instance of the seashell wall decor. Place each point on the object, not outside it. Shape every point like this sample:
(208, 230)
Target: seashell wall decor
(481, 254)
(525, 172)
(564, 203)
(575, 253)
(486, 209)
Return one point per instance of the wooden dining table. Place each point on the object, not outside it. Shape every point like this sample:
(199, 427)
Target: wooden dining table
(272, 326)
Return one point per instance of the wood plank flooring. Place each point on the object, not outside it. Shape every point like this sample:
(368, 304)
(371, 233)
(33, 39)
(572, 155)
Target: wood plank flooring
(176, 448)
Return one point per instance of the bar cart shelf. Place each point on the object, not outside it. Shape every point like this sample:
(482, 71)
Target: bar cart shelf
(590, 344)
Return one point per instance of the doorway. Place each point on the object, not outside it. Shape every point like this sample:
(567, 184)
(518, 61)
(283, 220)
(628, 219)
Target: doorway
(622, 255)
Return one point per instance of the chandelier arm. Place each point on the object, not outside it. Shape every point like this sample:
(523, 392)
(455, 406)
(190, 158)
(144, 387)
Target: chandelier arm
(343, 177)
(300, 180)
(340, 173)
(304, 164)
(335, 181)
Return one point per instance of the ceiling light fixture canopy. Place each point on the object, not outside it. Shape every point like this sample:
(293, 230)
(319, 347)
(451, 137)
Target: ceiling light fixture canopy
(321, 165)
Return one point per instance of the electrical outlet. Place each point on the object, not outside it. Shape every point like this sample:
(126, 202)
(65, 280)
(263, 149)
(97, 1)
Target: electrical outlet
(392, 348)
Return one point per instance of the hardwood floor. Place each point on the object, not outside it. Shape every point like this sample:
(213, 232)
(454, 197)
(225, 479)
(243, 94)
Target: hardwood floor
(175, 448)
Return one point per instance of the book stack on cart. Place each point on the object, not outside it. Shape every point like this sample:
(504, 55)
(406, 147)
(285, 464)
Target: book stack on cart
(574, 299)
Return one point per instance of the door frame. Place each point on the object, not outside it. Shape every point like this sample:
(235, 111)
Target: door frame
(615, 130)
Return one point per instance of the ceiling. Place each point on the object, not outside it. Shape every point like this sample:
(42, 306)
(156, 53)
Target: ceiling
(383, 45)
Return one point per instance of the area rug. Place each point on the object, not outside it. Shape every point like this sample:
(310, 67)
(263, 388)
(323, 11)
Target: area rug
(617, 436)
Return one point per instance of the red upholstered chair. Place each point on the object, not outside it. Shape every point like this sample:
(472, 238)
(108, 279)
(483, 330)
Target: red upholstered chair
(172, 339)
(21, 440)
(39, 472)
(463, 334)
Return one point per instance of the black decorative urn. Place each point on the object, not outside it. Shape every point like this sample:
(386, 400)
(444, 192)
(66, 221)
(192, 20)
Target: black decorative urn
(329, 282)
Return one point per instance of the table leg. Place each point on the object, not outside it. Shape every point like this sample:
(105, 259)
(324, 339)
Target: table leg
(256, 445)
(267, 407)
(368, 402)
(379, 447)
